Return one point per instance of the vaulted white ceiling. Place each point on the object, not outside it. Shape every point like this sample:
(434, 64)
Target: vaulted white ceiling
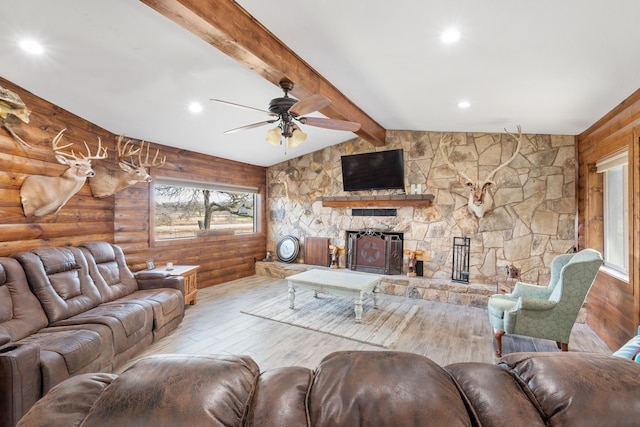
(555, 67)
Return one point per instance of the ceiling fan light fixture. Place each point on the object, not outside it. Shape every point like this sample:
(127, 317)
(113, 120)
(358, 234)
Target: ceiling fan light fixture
(297, 137)
(274, 136)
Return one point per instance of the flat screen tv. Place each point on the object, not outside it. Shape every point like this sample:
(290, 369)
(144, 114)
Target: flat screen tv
(379, 170)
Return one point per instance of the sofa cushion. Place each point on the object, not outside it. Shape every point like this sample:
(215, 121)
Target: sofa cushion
(59, 278)
(64, 353)
(384, 388)
(488, 388)
(630, 349)
(178, 390)
(76, 396)
(130, 324)
(20, 311)
(577, 388)
(109, 271)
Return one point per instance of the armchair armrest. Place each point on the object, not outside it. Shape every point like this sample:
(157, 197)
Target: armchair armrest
(528, 290)
(157, 280)
(534, 304)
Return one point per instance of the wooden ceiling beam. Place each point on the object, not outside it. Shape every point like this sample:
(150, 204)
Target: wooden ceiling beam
(231, 29)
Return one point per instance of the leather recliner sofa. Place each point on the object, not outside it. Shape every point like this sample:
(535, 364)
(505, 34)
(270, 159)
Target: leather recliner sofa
(65, 311)
(360, 388)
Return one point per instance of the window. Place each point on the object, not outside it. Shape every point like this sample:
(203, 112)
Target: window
(191, 209)
(616, 211)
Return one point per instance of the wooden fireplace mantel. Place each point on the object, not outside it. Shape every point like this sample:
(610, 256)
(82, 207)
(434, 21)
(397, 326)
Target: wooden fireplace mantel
(417, 200)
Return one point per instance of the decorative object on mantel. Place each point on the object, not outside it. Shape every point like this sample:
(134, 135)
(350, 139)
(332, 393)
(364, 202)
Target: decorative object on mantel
(286, 111)
(44, 195)
(411, 263)
(11, 108)
(287, 248)
(335, 255)
(108, 180)
(477, 204)
(268, 258)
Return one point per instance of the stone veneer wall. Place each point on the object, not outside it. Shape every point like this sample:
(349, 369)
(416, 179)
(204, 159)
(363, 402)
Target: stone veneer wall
(532, 219)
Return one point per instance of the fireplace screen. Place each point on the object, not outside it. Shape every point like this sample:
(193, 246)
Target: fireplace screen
(460, 270)
(375, 251)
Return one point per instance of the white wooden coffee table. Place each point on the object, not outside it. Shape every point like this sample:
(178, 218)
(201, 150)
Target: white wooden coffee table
(336, 283)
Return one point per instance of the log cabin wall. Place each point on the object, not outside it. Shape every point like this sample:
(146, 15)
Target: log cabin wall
(613, 303)
(123, 219)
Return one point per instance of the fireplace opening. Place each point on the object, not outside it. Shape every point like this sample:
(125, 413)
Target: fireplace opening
(374, 251)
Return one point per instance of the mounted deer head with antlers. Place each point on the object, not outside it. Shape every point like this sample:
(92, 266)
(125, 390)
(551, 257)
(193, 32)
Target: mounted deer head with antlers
(44, 195)
(478, 202)
(108, 181)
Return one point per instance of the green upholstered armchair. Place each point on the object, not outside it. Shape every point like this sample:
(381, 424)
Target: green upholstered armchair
(547, 312)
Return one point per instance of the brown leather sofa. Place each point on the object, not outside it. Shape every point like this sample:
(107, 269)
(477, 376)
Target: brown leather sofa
(379, 388)
(65, 311)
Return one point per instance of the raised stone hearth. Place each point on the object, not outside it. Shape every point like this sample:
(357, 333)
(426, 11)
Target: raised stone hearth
(475, 295)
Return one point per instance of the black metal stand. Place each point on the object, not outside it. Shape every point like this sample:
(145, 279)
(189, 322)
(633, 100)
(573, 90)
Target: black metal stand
(460, 269)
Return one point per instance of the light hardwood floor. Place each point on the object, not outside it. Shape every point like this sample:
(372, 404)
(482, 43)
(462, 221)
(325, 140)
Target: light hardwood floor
(443, 332)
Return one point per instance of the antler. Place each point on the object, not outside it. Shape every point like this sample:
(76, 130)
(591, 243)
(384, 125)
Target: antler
(128, 150)
(515, 153)
(145, 162)
(100, 154)
(447, 140)
(56, 148)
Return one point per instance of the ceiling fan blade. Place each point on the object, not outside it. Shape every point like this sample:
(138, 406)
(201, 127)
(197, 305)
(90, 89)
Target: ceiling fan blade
(243, 106)
(251, 126)
(309, 105)
(330, 123)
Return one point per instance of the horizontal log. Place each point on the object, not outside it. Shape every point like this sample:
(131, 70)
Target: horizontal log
(9, 232)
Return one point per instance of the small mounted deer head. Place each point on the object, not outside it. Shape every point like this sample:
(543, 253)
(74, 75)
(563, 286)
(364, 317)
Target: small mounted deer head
(108, 181)
(478, 203)
(44, 195)
(290, 184)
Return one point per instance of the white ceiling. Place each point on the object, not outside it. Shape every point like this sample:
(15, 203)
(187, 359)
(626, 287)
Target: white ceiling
(555, 67)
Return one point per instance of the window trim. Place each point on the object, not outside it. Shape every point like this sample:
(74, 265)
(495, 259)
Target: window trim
(215, 186)
(615, 160)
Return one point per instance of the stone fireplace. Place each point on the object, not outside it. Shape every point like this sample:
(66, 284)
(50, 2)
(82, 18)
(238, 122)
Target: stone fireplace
(374, 251)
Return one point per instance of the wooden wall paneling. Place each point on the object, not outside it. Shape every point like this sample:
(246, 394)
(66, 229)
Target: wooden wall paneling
(613, 304)
(83, 216)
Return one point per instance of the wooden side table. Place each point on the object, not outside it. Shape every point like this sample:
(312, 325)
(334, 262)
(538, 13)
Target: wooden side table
(190, 274)
(505, 287)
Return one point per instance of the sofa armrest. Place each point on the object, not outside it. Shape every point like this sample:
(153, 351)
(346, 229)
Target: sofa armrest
(147, 280)
(20, 381)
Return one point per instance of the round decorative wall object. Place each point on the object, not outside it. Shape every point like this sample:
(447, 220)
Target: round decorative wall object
(288, 248)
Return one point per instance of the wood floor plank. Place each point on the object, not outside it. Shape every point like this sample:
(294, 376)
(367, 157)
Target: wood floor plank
(445, 333)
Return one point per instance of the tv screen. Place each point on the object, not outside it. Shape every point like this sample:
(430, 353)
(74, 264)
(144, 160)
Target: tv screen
(380, 170)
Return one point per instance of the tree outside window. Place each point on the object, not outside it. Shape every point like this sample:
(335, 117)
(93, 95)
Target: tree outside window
(188, 210)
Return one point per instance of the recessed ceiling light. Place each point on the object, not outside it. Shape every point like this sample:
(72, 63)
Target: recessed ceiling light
(31, 46)
(464, 104)
(195, 107)
(450, 36)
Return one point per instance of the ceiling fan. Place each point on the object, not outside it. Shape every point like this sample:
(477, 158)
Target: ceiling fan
(286, 111)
